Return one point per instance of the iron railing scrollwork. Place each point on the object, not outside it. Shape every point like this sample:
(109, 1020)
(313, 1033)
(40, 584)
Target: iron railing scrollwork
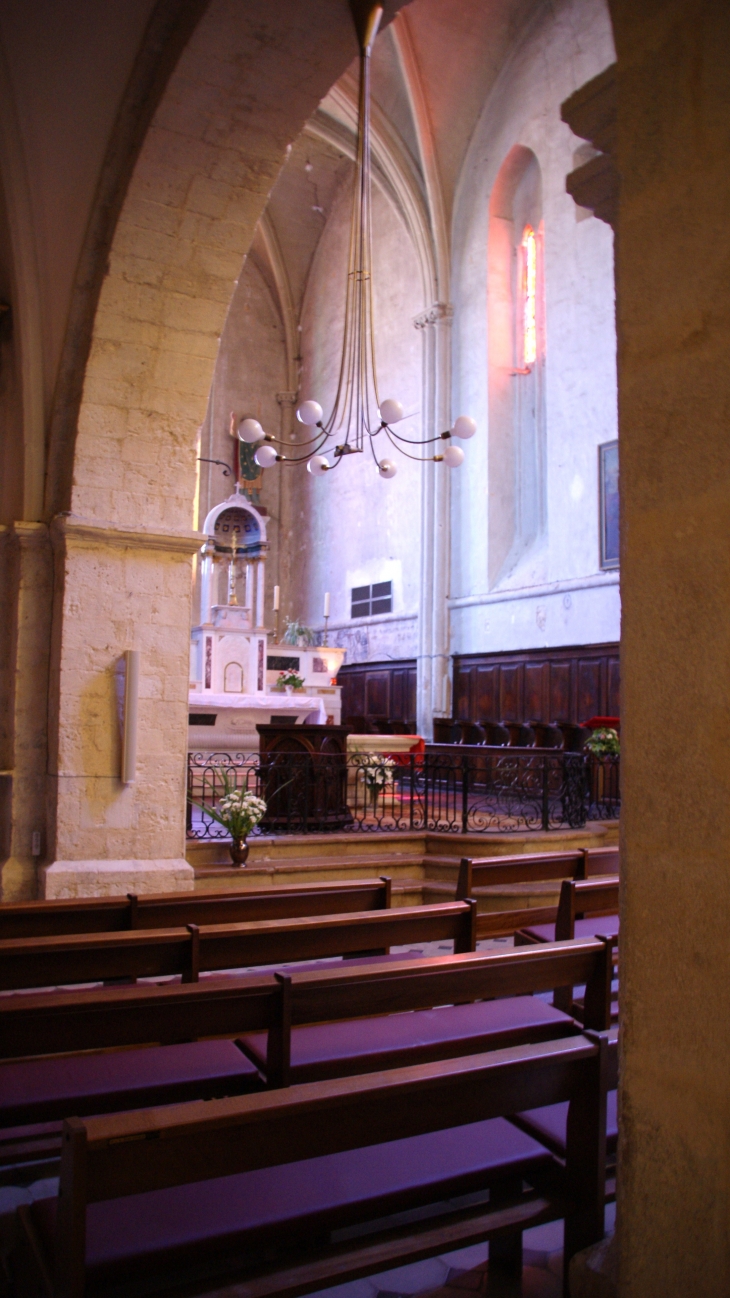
(449, 788)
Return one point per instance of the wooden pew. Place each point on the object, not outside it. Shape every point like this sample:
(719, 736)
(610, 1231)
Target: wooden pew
(365, 1018)
(477, 876)
(152, 953)
(176, 909)
(349, 1152)
(581, 904)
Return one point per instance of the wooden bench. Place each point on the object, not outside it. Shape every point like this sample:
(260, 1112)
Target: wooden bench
(154, 953)
(303, 1027)
(175, 909)
(249, 1190)
(587, 908)
(581, 904)
(478, 876)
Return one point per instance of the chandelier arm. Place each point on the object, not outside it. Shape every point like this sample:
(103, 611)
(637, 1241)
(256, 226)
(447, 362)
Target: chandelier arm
(418, 441)
(419, 459)
(279, 441)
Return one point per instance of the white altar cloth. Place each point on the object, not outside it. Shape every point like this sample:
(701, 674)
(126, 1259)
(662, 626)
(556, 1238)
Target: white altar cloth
(237, 715)
(311, 705)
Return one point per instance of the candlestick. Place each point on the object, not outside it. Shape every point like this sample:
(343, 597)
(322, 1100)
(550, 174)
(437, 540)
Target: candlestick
(325, 642)
(326, 603)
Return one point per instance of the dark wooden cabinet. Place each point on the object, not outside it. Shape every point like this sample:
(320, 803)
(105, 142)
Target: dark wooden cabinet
(303, 774)
(377, 690)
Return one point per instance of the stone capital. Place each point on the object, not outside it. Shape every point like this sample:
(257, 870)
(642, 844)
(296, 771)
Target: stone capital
(440, 312)
(287, 398)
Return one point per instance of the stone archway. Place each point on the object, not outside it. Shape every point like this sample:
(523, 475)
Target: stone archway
(241, 92)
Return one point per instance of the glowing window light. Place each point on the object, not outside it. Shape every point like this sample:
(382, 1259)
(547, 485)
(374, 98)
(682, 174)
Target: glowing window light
(529, 296)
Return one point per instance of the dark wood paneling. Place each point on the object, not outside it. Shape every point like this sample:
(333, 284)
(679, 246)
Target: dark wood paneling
(377, 694)
(561, 695)
(379, 690)
(486, 692)
(567, 684)
(589, 686)
(537, 676)
(510, 692)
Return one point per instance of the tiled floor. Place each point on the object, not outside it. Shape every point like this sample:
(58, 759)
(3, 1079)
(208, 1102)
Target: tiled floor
(456, 1275)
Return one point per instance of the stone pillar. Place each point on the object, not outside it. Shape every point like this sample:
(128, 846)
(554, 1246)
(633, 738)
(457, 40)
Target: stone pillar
(673, 317)
(434, 683)
(117, 589)
(207, 574)
(249, 590)
(26, 571)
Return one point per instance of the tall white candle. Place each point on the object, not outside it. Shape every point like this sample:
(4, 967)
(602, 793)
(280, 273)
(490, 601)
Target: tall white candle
(326, 603)
(276, 599)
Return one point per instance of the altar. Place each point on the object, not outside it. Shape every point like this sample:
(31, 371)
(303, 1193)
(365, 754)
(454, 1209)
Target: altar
(234, 669)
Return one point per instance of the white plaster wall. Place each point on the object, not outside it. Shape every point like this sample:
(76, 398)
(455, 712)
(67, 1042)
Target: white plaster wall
(351, 527)
(556, 594)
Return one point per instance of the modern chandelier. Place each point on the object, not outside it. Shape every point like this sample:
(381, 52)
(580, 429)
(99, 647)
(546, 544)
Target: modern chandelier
(358, 416)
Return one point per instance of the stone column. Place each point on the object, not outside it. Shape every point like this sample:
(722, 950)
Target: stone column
(434, 676)
(26, 574)
(249, 591)
(207, 573)
(116, 589)
(282, 550)
(673, 319)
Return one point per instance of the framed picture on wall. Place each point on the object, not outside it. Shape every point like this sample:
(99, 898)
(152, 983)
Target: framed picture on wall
(608, 493)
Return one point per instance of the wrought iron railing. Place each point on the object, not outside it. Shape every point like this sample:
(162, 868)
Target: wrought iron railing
(449, 788)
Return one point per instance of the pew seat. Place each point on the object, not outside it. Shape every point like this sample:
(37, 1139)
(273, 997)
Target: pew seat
(41, 1090)
(549, 1125)
(593, 926)
(363, 1045)
(221, 1221)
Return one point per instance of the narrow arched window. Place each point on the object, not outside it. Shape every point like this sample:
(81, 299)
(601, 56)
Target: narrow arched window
(528, 286)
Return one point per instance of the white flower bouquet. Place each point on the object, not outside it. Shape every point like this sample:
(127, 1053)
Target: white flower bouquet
(377, 773)
(238, 811)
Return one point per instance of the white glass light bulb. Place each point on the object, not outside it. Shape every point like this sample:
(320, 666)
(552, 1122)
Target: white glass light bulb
(453, 456)
(265, 456)
(464, 427)
(317, 466)
(387, 469)
(391, 411)
(309, 412)
(250, 430)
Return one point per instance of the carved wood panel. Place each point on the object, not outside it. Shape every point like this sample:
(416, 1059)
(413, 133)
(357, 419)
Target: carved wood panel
(379, 690)
(567, 684)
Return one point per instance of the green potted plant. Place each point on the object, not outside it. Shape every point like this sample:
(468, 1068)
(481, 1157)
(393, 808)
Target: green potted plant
(298, 634)
(238, 811)
(603, 743)
(289, 681)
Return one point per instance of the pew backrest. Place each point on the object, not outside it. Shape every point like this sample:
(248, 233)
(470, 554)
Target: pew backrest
(59, 1022)
(476, 873)
(149, 953)
(581, 898)
(173, 910)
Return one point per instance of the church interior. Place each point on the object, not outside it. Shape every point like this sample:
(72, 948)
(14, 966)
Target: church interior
(363, 467)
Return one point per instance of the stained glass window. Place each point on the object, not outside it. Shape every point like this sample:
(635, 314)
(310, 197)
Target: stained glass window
(529, 296)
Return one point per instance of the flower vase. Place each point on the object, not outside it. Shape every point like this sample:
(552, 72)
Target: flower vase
(289, 689)
(238, 849)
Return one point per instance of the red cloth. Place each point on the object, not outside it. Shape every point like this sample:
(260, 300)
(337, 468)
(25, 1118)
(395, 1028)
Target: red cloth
(604, 723)
(404, 759)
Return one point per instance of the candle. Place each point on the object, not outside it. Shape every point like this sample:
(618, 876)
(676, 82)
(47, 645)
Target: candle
(276, 599)
(326, 603)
